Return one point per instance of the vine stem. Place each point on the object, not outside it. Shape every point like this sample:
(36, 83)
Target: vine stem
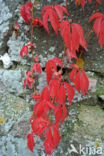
(31, 38)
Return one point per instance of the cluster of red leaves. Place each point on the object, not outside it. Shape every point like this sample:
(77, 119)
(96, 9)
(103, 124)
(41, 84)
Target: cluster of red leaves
(83, 2)
(37, 22)
(54, 14)
(26, 12)
(98, 26)
(36, 67)
(74, 40)
(50, 103)
(50, 110)
(28, 80)
(79, 78)
(25, 49)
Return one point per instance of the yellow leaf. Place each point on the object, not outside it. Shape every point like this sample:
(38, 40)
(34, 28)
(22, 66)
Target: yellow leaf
(2, 121)
(19, 15)
(79, 2)
(97, 144)
(23, 91)
(36, 3)
(80, 63)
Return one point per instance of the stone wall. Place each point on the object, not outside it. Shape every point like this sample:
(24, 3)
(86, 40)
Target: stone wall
(84, 124)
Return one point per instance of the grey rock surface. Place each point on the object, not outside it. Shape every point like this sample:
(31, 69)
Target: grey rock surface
(84, 124)
(5, 17)
(12, 80)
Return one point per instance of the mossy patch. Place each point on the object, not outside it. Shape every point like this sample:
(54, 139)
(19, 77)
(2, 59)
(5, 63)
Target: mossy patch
(92, 122)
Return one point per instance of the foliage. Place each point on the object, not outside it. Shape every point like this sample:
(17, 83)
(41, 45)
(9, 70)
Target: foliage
(50, 110)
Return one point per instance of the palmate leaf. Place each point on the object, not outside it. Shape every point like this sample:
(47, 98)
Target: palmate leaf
(60, 113)
(26, 13)
(82, 2)
(72, 40)
(98, 26)
(51, 68)
(39, 125)
(70, 92)
(54, 14)
(61, 95)
(25, 49)
(52, 139)
(80, 80)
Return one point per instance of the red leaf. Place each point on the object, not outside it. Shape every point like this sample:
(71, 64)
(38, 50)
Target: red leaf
(28, 80)
(50, 67)
(36, 96)
(60, 10)
(60, 99)
(37, 21)
(39, 125)
(82, 3)
(79, 31)
(56, 136)
(73, 65)
(37, 68)
(29, 4)
(25, 13)
(73, 74)
(45, 94)
(64, 113)
(24, 85)
(54, 87)
(65, 33)
(77, 39)
(42, 108)
(98, 26)
(101, 36)
(25, 49)
(51, 140)
(96, 15)
(84, 83)
(52, 12)
(54, 20)
(58, 61)
(99, 1)
(90, 1)
(44, 9)
(48, 143)
(58, 113)
(77, 82)
(70, 92)
(71, 54)
(30, 142)
(36, 58)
